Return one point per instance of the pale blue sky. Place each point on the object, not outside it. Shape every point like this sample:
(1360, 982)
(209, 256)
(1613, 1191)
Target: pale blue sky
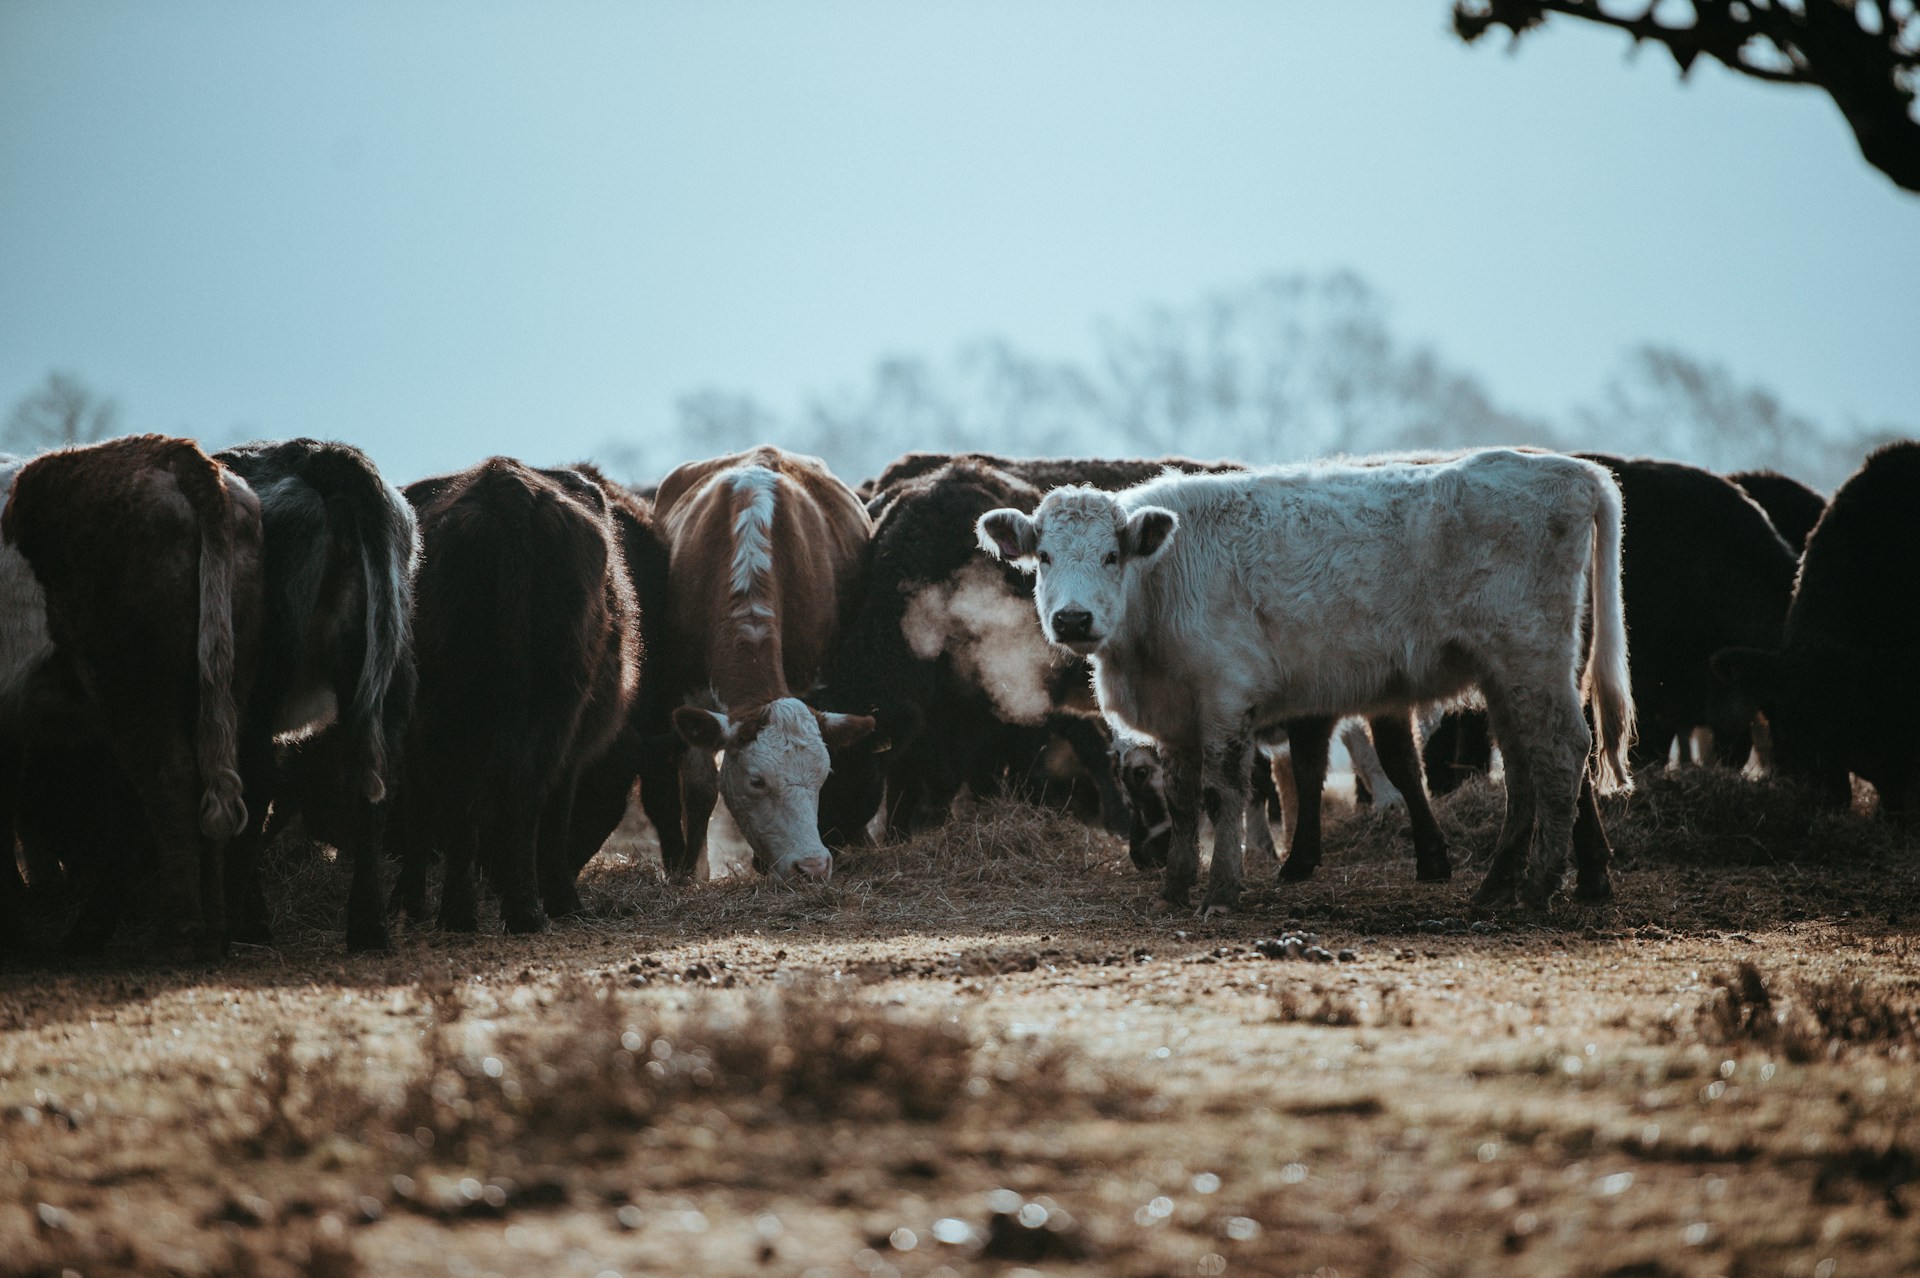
(442, 231)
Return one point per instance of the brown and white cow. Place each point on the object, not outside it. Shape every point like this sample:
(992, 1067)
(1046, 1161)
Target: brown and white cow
(765, 550)
(148, 552)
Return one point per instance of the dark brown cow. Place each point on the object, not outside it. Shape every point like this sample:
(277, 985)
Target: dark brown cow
(1791, 506)
(766, 548)
(149, 555)
(647, 750)
(526, 649)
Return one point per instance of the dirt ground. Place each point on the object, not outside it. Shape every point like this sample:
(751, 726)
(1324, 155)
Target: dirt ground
(987, 1052)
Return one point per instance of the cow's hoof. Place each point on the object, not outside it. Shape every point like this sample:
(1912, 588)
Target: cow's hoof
(1494, 893)
(208, 948)
(1595, 891)
(1296, 871)
(460, 921)
(1538, 896)
(1215, 910)
(1172, 902)
(526, 922)
(1436, 869)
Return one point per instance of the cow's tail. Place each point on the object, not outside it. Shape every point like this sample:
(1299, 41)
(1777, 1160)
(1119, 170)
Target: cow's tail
(387, 544)
(1609, 687)
(223, 809)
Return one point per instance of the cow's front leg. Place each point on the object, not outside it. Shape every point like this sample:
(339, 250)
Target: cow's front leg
(1183, 816)
(1224, 775)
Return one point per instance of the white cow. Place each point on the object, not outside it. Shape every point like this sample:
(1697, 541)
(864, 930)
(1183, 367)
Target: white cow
(1215, 606)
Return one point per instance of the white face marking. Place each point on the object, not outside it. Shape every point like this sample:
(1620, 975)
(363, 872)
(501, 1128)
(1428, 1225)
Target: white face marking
(772, 787)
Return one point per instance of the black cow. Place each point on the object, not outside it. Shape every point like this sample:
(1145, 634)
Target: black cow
(527, 650)
(1792, 507)
(340, 548)
(1841, 690)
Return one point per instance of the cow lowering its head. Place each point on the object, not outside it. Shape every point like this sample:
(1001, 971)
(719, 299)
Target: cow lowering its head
(765, 547)
(776, 762)
(1083, 544)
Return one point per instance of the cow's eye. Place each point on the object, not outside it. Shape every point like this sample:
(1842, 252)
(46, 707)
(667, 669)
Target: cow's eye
(1113, 557)
(1045, 558)
(758, 783)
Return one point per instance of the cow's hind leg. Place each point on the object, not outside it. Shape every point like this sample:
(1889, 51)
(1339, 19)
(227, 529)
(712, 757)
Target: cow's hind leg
(1592, 853)
(366, 898)
(1516, 827)
(1560, 759)
(1310, 739)
(557, 867)
(513, 855)
(1183, 816)
(1393, 741)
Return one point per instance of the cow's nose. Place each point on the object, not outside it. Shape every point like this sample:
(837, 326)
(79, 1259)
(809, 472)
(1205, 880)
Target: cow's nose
(1072, 623)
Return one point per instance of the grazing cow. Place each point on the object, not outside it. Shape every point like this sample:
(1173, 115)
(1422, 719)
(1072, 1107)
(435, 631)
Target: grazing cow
(340, 553)
(525, 642)
(149, 555)
(766, 548)
(1793, 507)
(1701, 569)
(24, 644)
(940, 650)
(1215, 607)
(647, 749)
(1840, 691)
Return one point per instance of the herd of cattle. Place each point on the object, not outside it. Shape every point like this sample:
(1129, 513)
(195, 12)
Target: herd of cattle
(480, 669)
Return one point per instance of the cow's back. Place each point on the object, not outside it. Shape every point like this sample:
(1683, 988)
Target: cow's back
(813, 551)
(1859, 581)
(509, 608)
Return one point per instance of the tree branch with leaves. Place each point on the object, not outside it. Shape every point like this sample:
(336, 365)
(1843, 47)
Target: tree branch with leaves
(1864, 54)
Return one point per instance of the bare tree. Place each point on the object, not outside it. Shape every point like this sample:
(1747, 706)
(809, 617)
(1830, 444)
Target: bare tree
(1663, 403)
(1865, 54)
(60, 412)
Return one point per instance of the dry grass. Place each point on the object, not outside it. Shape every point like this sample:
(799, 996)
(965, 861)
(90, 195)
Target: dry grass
(1811, 1019)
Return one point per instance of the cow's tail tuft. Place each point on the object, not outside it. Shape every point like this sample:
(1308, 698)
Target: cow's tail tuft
(223, 808)
(1609, 686)
(387, 544)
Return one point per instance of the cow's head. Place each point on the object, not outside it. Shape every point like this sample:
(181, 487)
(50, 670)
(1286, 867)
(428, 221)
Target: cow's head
(854, 789)
(1081, 543)
(1805, 720)
(1143, 776)
(776, 762)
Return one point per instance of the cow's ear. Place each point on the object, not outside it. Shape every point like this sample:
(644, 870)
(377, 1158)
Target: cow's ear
(704, 728)
(1148, 532)
(1008, 534)
(1755, 671)
(842, 730)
